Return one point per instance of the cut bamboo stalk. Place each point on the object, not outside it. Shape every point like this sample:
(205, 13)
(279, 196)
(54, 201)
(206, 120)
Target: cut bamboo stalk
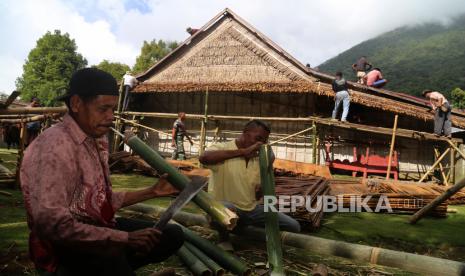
(214, 208)
(391, 150)
(215, 268)
(444, 177)
(424, 265)
(440, 199)
(225, 259)
(273, 242)
(195, 265)
(434, 165)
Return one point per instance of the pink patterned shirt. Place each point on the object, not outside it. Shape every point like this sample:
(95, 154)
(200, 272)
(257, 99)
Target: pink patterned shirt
(66, 185)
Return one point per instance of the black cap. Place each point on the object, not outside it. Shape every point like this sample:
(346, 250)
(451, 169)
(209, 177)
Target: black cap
(91, 82)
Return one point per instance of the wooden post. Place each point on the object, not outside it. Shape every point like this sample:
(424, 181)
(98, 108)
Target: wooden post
(443, 197)
(116, 137)
(391, 150)
(434, 165)
(452, 167)
(22, 143)
(314, 146)
(444, 177)
(203, 127)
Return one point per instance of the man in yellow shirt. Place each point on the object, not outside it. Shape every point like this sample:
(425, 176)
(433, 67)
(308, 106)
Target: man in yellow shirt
(235, 178)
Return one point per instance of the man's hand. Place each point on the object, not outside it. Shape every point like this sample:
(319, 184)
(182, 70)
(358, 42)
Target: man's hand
(144, 240)
(173, 144)
(251, 151)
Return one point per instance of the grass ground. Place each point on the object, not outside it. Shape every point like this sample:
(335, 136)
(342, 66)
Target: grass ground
(437, 237)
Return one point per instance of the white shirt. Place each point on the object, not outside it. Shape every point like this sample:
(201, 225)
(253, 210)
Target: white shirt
(129, 80)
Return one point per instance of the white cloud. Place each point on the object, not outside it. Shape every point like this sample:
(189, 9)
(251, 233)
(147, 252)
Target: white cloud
(312, 31)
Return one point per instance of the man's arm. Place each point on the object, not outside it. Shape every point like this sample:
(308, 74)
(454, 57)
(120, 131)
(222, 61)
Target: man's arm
(173, 137)
(155, 190)
(214, 157)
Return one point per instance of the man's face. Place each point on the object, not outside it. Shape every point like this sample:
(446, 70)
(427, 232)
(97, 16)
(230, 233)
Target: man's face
(95, 117)
(183, 116)
(254, 135)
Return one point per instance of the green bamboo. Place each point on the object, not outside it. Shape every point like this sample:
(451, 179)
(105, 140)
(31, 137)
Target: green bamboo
(273, 241)
(195, 265)
(214, 208)
(211, 264)
(223, 258)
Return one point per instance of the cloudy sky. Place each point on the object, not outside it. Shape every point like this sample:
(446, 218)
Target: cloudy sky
(311, 30)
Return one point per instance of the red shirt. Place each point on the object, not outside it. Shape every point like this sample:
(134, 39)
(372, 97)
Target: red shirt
(373, 76)
(67, 192)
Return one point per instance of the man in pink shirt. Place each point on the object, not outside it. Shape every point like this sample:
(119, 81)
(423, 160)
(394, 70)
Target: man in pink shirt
(442, 108)
(375, 79)
(69, 201)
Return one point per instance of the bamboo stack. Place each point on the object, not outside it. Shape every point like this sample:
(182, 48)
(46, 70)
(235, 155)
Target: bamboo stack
(307, 186)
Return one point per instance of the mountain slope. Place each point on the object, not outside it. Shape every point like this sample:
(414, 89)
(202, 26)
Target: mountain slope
(429, 56)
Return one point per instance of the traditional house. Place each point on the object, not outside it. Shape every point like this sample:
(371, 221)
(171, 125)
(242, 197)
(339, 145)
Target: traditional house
(248, 75)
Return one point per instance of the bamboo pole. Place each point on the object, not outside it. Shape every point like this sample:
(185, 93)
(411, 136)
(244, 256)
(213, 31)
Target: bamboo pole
(30, 118)
(433, 204)
(195, 265)
(203, 128)
(314, 147)
(434, 165)
(215, 268)
(444, 177)
(290, 136)
(116, 137)
(34, 110)
(22, 144)
(225, 259)
(214, 208)
(452, 144)
(391, 150)
(421, 264)
(273, 242)
(452, 167)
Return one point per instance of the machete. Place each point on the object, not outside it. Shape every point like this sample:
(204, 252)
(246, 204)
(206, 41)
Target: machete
(195, 186)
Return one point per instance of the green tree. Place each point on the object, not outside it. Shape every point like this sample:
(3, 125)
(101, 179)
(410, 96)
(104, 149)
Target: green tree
(458, 98)
(116, 69)
(49, 67)
(151, 52)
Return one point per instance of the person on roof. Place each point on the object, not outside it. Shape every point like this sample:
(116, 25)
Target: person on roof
(375, 79)
(342, 96)
(442, 118)
(129, 81)
(361, 67)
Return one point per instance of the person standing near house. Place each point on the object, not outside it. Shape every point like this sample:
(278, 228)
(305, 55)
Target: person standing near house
(178, 134)
(342, 96)
(361, 67)
(70, 204)
(375, 79)
(129, 82)
(442, 108)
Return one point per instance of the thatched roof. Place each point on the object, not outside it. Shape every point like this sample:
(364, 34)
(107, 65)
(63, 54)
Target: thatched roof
(229, 55)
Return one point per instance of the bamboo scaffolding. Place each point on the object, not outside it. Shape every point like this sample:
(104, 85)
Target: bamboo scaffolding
(404, 133)
(452, 167)
(434, 165)
(203, 128)
(116, 137)
(444, 177)
(30, 119)
(290, 136)
(391, 149)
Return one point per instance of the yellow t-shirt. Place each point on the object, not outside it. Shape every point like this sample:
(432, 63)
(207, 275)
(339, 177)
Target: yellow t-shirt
(232, 181)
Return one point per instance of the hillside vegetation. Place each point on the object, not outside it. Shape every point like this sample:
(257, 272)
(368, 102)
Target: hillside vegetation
(414, 58)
